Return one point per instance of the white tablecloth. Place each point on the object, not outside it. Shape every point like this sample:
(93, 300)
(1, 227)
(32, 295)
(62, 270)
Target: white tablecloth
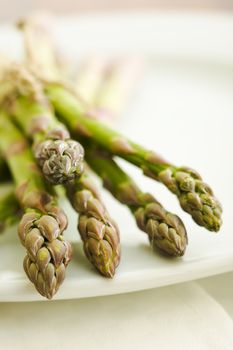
(193, 315)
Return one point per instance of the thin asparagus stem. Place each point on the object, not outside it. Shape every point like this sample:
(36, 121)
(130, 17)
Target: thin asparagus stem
(42, 56)
(117, 87)
(89, 78)
(106, 85)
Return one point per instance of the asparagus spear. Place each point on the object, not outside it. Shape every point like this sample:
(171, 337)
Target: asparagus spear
(106, 86)
(165, 230)
(42, 225)
(99, 233)
(116, 88)
(195, 196)
(60, 158)
(10, 211)
(38, 42)
(89, 78)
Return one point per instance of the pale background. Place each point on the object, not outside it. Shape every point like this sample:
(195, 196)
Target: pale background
(12, 9)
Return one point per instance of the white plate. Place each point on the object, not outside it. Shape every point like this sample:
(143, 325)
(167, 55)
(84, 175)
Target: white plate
(184, 110)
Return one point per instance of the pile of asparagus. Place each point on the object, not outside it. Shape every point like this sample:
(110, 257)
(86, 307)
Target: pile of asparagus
(46, 128)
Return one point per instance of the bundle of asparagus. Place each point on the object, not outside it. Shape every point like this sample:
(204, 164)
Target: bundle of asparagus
(31, 132)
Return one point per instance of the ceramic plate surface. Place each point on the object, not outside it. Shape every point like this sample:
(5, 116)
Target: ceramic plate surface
(182, 109)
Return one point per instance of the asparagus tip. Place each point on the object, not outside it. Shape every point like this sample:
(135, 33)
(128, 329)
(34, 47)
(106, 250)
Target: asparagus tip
(61, 160)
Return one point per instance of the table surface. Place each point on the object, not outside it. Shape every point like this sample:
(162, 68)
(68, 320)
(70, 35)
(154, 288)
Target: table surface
(195, 315)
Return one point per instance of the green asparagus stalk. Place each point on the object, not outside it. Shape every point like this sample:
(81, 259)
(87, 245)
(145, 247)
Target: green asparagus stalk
(195, 196)
(107, 85)
(38, 42)
(42, 225)
(165, 230)
(99, 233)
(10, 211)
(116, 89)
(60, 157)
(90, 77)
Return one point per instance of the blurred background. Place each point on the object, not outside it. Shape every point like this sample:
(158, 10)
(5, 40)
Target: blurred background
(13, 9)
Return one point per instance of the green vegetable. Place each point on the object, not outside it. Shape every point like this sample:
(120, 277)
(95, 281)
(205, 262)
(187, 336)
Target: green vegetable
(42, 225)
(98, 231)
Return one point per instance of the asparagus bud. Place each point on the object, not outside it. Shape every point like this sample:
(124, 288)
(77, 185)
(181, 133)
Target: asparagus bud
(99, 233)
(60, 158)
(48, 253)
(195, 196)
